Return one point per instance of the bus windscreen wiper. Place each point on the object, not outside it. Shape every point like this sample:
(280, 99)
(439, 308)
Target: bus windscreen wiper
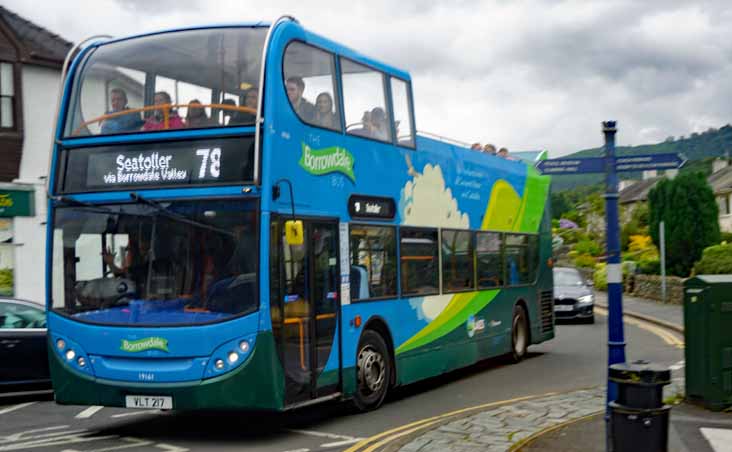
(75, 202)
(176, 216)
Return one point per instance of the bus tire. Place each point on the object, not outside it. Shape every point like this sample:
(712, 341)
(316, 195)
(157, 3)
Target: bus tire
(519, 334)
(373, 371)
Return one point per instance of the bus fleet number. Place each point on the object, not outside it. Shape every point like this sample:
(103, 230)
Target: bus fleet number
(211, 160)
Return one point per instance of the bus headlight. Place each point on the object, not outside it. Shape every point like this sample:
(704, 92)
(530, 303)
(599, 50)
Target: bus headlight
(61, 344)
(230, 355)
(244, 346)
(70, 355)
(219, 364)
(233, 357)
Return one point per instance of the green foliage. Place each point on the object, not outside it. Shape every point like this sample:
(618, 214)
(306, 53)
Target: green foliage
(559, 205)
(590, 247)
(6, 281)
(649, 266)
(584, 260)
(725, 237)
(716, 260)
(687, 206)
(600, 277)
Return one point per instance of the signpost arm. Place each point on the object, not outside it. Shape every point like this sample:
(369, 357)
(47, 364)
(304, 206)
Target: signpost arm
(616, 341)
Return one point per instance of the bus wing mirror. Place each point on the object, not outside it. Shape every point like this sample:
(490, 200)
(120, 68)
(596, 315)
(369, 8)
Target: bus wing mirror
(294, 232)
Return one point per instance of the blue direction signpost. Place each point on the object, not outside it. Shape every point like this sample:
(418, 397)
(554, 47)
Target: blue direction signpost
(611, 165)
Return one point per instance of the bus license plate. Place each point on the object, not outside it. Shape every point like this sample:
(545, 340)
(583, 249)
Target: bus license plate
(149, 402)
(563, 307)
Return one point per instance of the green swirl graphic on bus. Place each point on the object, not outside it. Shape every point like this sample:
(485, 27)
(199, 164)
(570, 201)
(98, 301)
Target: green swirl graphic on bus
(333, 159)
(148, 343)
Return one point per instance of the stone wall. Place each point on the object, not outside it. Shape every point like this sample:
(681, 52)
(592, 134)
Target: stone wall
(649, 286)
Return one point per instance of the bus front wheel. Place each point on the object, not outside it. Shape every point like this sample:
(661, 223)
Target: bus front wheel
(373, 371)
(519, 334)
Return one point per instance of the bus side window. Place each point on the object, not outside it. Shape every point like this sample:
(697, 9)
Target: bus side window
(401, 101)
(373, 258)
(310, 85)
(457, 261)
(488, 253)
(364, 101)
(419, 255)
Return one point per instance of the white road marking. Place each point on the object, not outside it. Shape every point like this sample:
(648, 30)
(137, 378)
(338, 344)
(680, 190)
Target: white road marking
(298, 450)
(169, 448)
(132, 442)
(323, 434)
(341, 443)
(66, 438)
(34, 434)
(15, 407)
(719, 438)
(89, 412)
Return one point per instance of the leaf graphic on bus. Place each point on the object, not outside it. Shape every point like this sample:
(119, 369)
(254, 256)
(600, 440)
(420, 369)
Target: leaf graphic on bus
(456, 313)
(503, 207)
(533, 202)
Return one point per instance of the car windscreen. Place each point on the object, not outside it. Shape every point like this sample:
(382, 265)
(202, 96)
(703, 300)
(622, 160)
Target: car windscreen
(567, 278)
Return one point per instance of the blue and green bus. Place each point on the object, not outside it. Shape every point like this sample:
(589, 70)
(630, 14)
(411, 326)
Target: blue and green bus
(244, 217)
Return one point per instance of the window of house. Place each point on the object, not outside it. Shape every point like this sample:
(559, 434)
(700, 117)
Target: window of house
(373, 262)
(364, 101)
(7, 96)
(402, 112)
(419, 255)
(457, 261)
(310, 85)
(489, 259)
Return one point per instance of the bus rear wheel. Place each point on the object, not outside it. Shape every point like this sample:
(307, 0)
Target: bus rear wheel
(519, 334)
(373, 371)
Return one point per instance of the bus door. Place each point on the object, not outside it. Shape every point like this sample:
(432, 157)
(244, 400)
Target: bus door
(305, 306)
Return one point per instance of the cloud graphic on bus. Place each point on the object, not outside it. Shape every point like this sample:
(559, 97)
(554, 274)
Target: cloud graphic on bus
(428, 308)
(425, 201)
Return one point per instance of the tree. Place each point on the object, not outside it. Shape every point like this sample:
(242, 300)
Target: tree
(560, 205)
(687, 206)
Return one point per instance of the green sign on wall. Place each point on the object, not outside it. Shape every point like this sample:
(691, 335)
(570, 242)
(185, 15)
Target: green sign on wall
(16, 203)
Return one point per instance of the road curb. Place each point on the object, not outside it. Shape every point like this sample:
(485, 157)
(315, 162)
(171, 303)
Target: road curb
(407, 436)
(662, 323)
(530, 439)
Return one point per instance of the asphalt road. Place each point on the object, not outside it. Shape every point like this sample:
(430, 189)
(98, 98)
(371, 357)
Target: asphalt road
(576, 358)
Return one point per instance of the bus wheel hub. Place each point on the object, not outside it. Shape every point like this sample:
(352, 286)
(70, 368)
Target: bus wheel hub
(371, 369)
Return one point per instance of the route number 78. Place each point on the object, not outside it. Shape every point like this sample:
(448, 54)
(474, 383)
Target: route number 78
(211, 160)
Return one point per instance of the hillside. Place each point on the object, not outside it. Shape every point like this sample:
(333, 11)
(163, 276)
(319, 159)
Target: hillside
(699, 149)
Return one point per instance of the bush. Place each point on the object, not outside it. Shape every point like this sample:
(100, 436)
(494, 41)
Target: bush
(716, 260)
(725, 237)
(6, 281)
(584, 260)
(600, 277)
(649, 266)
(588, 247)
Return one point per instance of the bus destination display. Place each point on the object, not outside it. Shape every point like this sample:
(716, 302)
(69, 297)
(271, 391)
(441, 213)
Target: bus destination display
(159, 164)
(371, 207)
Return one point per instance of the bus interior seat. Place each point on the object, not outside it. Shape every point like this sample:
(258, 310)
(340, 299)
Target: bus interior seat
(359, 282)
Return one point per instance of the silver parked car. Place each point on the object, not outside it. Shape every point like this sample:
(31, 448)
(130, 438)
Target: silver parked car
(573, 297)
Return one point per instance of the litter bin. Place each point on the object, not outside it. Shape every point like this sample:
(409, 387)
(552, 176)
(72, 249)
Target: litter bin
(638, 417)
(708, 338)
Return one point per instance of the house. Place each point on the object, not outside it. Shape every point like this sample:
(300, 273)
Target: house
(31, 59)
(721, 183)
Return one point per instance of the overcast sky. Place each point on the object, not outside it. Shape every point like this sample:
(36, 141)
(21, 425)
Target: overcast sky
(521, 74)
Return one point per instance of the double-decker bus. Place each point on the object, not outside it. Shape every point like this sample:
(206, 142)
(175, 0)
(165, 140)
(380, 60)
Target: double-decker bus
(244, 216)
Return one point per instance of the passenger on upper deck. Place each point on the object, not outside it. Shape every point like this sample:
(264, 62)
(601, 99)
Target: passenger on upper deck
(303, 108)
(489, 149)
(121, 122)
(475, 146)
(503, 152)
(228, 114)
(324, 115)
(377, 125)
(157, 120)
(251, 99)
(196, 115)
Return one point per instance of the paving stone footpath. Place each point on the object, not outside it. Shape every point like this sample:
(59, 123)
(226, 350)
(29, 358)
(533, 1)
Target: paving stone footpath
(504, 427)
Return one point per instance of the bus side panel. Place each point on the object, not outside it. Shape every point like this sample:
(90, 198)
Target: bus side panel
(257, 384)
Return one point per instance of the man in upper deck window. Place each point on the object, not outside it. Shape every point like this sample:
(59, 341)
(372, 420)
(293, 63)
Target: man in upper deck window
(304, 109)
(120, 122)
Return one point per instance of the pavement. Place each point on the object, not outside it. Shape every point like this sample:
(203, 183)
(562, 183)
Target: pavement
(575, 420)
